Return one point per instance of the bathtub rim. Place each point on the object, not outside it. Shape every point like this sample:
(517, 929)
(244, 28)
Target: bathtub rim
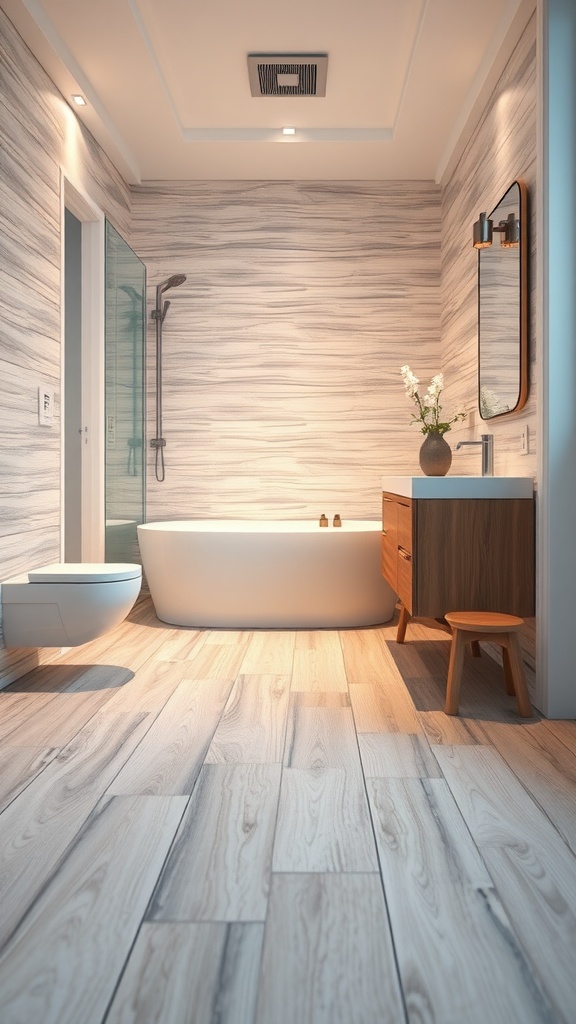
(263, 526)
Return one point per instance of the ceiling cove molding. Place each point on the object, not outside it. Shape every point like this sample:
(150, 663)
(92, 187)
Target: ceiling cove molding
(511, 26)
(95, 117)
(275, 135)
(140, 24)
(410, 61)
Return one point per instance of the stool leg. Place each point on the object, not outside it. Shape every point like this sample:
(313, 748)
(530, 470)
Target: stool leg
(402, 623)
(455, 666)
(476, 652)
(519, 679)
(508, 677)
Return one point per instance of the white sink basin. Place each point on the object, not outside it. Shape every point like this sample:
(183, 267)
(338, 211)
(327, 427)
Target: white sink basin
(459, 486)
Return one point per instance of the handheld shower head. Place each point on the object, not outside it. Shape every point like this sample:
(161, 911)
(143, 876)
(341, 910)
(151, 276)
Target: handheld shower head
(172, 282)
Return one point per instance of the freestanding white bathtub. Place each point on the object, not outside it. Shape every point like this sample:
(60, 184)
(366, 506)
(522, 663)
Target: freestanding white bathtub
(280, 575)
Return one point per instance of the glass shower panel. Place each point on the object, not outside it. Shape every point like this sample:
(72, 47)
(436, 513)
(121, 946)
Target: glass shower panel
(125, 348)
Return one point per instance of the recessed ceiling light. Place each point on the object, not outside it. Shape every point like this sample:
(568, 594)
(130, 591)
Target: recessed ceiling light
(288, 131)
(78, 100)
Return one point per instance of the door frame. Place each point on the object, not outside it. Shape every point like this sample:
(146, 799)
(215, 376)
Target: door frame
(92, 511)
(556, 360)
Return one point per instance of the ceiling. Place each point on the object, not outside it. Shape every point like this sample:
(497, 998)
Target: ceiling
(166, 82)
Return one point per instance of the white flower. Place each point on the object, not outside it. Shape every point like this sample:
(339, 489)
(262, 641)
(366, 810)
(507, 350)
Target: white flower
(410, 381)
(428, 407)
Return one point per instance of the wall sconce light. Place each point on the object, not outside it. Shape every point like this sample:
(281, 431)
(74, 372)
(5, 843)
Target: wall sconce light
(484, 227)
(511, 232)
(78, 100)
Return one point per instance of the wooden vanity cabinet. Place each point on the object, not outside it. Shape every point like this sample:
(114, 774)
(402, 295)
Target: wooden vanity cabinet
(452, 554)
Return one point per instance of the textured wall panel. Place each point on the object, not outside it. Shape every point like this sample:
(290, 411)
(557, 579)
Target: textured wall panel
(39, 135)
(502, 149)
(282, 393)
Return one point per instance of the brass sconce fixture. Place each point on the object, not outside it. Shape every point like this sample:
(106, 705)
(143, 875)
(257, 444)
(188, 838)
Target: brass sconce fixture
(484, 228)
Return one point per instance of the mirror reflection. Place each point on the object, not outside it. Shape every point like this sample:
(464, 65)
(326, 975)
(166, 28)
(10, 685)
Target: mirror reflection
(502, 306)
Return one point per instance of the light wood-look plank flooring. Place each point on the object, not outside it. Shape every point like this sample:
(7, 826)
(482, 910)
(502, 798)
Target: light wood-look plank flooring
(279, 827)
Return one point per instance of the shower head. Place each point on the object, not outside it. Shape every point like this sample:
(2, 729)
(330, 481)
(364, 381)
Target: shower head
(172, 282)
(159, 313)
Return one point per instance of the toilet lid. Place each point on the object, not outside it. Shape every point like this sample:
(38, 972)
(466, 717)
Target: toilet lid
(84, 572)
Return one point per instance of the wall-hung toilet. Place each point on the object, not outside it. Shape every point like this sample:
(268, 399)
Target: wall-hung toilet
(67, 604)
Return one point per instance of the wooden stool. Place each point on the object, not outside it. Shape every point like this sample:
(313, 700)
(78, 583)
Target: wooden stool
(470, 627)
(405, 617)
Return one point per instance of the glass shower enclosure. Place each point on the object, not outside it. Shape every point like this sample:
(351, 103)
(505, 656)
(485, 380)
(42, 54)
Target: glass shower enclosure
(125, 461)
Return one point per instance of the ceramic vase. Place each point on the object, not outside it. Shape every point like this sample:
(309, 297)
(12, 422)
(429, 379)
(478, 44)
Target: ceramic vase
(435, 455)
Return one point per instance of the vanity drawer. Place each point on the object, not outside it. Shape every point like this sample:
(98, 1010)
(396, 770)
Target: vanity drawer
(397, 545)
(390, 541)
(405, 549)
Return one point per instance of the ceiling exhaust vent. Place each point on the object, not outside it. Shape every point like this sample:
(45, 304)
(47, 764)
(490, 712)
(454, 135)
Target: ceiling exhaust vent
(292, 74)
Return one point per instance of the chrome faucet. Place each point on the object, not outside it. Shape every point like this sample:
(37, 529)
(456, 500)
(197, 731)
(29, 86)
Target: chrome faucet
(487, 442)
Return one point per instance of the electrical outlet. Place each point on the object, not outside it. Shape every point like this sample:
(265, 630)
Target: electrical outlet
(45, 406)
(524, 440)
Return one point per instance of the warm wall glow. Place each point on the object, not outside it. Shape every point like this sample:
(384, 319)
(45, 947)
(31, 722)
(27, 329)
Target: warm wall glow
(72, 159)
(503, 151)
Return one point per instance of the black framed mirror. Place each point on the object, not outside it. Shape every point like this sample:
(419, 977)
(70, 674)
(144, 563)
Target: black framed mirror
(502, 241)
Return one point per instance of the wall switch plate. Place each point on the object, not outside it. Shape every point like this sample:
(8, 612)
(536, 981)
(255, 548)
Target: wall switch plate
(525, 440)
(45, 406)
